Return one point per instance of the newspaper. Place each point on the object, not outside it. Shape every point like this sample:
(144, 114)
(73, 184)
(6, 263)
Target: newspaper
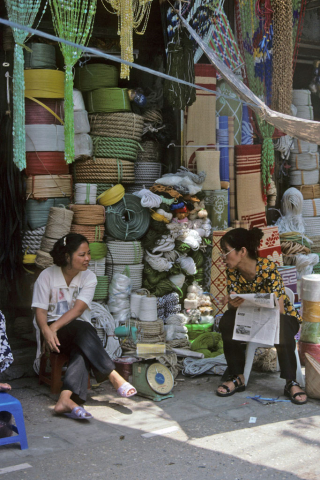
(257, 318)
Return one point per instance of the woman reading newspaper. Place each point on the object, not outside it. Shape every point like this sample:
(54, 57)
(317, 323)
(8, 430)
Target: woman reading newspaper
(248, 273)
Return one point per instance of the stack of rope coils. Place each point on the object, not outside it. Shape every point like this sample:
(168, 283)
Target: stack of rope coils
(117, 125)
(49, 186)
(125, 257)
(103, 170)
(107, 100)
(37, 212)
(151, 151)
(82, 141)
(31, 240)
(40, 55)
(110, 147)
(146, 173)
(96, 75)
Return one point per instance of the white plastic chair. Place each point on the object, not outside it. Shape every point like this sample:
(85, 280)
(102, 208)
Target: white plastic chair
(252, 346)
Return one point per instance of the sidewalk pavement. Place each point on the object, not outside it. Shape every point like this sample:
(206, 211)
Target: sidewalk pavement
(197, 434)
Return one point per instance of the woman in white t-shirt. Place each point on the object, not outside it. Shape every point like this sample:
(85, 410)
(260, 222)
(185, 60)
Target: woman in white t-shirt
(62, 298)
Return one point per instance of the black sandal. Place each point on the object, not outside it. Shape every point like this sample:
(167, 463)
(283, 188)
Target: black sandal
(287, 393)
(238, 386)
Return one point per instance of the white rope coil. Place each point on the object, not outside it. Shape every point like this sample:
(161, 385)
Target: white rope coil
(102, 318)
(301, 97)
(311, 288)
(165, 243)
(85, 193)
(304, 161)
(304, 263)
(187, 265)
(158, 263)
(82, 145)
(192, 239)
(124, 253)
(98, 267)
(78, 102)
(305, 112)
(167, 215)
(172, 256)
(304, 177)
(301, 146)
(148, 309)
(312, 225)
(135, 303)
(81, 122)
(311, 208)
(149, 199)
(44, 138)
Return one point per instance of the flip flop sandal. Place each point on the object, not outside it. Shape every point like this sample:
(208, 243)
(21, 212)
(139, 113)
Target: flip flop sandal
(238, 387)
(124, 389)
(287, 393)
(79, 413)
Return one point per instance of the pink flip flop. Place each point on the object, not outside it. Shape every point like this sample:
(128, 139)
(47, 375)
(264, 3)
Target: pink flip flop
(79, 413)
(124, 389)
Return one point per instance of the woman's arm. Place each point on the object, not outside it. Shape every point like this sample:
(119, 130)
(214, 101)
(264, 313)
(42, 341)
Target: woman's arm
(72, 314)
(50, 338)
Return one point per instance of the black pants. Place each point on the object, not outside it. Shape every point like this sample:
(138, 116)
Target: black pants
(235, 353)
(80, 340)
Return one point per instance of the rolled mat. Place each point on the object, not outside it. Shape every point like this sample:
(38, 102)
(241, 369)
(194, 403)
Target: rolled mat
(232, 172)
(46, 163)
(310, 332)
(250, 204)
(270, 246)
(107, 100)
(127, 219)
(95, 75)
(216, 202)
(49, 186)
(103, 170)
(209, 161)
(312, 376)
(39, 114)
(200, 117)
(218, 287)
(311, 348)
(43, 83)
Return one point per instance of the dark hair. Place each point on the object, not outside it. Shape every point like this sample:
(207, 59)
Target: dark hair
(66, 245)
(240, 237)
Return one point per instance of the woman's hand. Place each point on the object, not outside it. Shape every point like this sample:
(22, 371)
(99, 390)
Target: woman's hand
(233, 302)
(51, 341)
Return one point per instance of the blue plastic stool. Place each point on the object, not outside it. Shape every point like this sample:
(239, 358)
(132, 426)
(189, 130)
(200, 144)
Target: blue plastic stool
(10, 404)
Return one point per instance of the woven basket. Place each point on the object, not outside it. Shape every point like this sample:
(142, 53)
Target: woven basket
(124, 253)
(312, 377)
(151, 152)
(118, 125)
(103, 170)
(92, 233)
(49, 186)
(309, 191)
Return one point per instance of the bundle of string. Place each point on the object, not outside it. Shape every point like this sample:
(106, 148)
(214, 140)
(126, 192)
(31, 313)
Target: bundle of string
(148, 309)
(311, 208)
(85, 193)
(92, 233)
(49, 111)
(150, 331)
(304, 263)
(148, 199)
(191, 238)
(82, 145)
(44, 138)
(304, 177)
(43, 83)
(119, 293)
(158, 226)
(293, 248)
(176, 332)
(98, 250)
(127, 220)
(81, 122)
(291, 206)
(304, 161)
(46, 163)
(78, 102)
(164, 244)
(111, 196)
(88, 214)
(101, 316)
(108, 100)
(59, 222)
(187, 265)
(31, 240)
(101, 291)
(95, 75)
(159, 217)
(117, 124)
(135, 301)
(301, 146)
(111, 170)
(38, 212)
(49, 186)
(41, 55)
(109, 147)
(158, 262)
(98, 267)
(43, 259)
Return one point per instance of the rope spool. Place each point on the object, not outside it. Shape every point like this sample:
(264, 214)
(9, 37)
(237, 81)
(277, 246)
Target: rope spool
(44, 138)
(312, 225)
(96, 75)
(304, 111)
(148, 309)
(43, 259)
(42, 55)
(303, 177)
(101, 291)
(46, 163)
(81, 121)
(151, 151)
(59, 222)
(107, 170)
(150, 332)
(88, 214)
(98, 267)
(146, 172)
(118, 125)
(304, 161)
(37, 212)
(301, 146)
(48, 186)
(311, 208)
(107, 147)
(98, 250)
(92, 233)
(85, 193)
(124, 253)
(301, 97)
(43, 83)
(127, 220)
(47, 244)
(310, 348)
(107, 100)
(78, 102)
(311, 288)
(111, 196)
(135, 302)
(37, 113)
(82, 145)
(31, 240)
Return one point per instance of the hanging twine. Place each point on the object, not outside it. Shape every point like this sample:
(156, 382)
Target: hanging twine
(111, 196)
(48, 186)
(95, 75)
(44, 83)
(88, 214)
(44, 163)
(127, 220)
(23, 13)
(48, 112)
(108, 100)
(85, 193)
(77, 28)
(107, 147)
(92, 233)
(41, 55)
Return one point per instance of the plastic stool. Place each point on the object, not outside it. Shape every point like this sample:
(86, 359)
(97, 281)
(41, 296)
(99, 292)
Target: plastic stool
(57, 361)
(10, 404)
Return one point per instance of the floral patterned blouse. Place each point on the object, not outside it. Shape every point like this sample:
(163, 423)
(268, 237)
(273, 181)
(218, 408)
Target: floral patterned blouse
(6, 357)
(267, 280)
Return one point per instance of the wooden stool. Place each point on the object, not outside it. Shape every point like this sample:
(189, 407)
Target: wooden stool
(53, 378)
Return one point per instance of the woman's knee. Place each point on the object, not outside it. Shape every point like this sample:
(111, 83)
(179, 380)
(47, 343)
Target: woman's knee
(227, 321)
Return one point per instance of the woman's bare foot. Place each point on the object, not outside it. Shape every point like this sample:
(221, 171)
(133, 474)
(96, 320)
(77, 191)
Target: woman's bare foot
(230, 385)
(5, 387)
(117, 381)
(64, 403)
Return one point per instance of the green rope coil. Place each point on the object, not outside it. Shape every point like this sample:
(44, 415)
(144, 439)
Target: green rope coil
(152, 276)
(198, 258)
(41, 56)
(182, 247)
(96, 75)
(107, 100)
(98, 250)
(210, 344)
(127, 220)
(101, 291)
(161, 288)
(150, 239)
(159, 227)
(109, 147)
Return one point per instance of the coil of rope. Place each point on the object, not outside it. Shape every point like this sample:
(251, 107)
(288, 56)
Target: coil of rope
(127, 220)
(102, 317)
(95, 75)
(107, 100)
(148, 199)
(38, 212)
(98, 267)
(44, 138)
(48, 112)
(85, 193)
(101, 291)
(88, 214)
(98, 250)
(43, 259)
(92, 233)
(121, 125)
(46, 163)
(59, 222)
(43, 83)
(41, 55)
(108, 147)
(48, 186)
(111, 196)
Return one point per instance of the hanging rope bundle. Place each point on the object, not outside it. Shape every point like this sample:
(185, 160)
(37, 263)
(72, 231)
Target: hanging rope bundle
(98, 250)
(59, 222)
(41, 55)
(88, 214)
(49, 186)
(124, 253)
(101, 291)
(107, 100)
(120, 125)
(37, 212)
(46, 163)
(92, 233)
(127, 220)
(109, 170)
(95, 75)
(49, 111)
(44, 138)
(43, 259)
(44, 83)
(85, 193)
(107, 147)
(73, 21)
(111, 196)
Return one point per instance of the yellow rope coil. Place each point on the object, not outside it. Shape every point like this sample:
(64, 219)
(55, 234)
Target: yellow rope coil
(28, 259)
(159, 218)
(111, 196)
(42, 83)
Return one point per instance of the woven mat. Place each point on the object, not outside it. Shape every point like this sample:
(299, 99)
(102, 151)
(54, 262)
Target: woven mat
(200, 118)
(218, 287)
(231, 107)
(216, 202)
(250, 204)
(270, 246)
(232, 172)
(289, 277)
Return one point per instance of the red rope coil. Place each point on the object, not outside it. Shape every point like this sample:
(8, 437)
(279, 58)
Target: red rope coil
(45, 163)
(36, 114)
